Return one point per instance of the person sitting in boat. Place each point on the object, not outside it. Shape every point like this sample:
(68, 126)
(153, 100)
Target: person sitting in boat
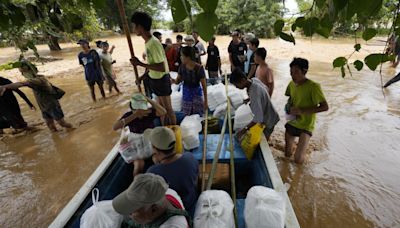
(194, 83)
(260, 103)
(150, 203)
(181, 171)
(139, 119)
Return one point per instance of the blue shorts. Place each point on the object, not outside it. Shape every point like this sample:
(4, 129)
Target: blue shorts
(54, 113)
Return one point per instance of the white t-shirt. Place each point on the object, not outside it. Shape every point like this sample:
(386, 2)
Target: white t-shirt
(201, 48)
(175, 221)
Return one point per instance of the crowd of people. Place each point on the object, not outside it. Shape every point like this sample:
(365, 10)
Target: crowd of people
(146, 201)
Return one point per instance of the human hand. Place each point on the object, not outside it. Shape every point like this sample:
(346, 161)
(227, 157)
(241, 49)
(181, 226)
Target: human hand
(241, 133)
(144, 56)
(135, 61)
(113, 46)
(295, 111)
(113, 62)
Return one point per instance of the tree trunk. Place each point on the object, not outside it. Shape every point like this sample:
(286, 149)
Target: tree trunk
(53, 43)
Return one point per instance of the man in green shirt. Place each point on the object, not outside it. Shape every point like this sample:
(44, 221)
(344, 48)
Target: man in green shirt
(305, 100)
(160, 82)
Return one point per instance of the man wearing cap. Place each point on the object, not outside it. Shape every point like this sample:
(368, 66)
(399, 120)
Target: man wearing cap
(149, 203)
(179, 170)
(190, 41)
(91, 62)
(159, 78)
(237, 49)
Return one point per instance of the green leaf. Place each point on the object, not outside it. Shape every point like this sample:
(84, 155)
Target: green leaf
(339, 62)
(208, 5)
(287, 37)
(369, 33)
(178, 10)
(358, 65)
(325, 32)
(310, 25)
(278, 26)
(343, 71)
(298, 23)
(357, 47)
(373, 60)
(206, 23)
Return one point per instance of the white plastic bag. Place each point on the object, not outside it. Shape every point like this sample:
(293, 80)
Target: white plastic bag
(221, 110)
(243, 116)
(176, 101)
(133, 146)
(214, 208)
(191, 126)
(264, 207)
(101, 214)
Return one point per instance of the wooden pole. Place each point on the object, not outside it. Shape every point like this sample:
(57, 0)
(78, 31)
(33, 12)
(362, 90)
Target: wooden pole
(127, 32)
(231, 149)
(203, 181)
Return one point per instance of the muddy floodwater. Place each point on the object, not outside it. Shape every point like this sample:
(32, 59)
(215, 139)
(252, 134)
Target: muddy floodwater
(350, 179)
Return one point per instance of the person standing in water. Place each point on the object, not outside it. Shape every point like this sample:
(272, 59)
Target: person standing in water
(91, 62)
(263, 72)
(194, 83)
(213, 64)
(10, 113)
(45, 94)
(106, 63)
(159, 78)
(305, 100)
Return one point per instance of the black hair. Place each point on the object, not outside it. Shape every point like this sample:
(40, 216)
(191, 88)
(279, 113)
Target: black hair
(98, 43)
(213, 38)
(179, 37)
(239, 31)
(255, 42)
(195, 32)
(142, 19)
(157, 34)
(261, 52)
(188, 52)
(237, 76)
(300, 63)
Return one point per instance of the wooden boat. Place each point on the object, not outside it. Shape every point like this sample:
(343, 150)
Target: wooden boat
(113, 176)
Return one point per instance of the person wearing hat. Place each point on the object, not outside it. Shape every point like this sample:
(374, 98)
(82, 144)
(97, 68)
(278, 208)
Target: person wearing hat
(106, 63)
(237, 49)
(148, 202)
(180, 171)
(190, 41)
(44, 93)
(91, 63)
(157, 65)
(140, 118)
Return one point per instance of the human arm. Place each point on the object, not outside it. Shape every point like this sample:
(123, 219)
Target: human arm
(321, 107)
(243, 131)
(252, 71)
(155, 66)
(112, 49)
(25, 98)
(12, 86)
(160, 110)
(126, 120)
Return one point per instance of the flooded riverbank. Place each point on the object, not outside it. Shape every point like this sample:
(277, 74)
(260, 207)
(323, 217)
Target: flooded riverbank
(349, 179)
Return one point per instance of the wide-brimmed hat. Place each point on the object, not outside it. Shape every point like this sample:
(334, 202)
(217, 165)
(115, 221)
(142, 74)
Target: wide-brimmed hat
(189, 38)
(138, 101)
(161, 138)
(146, 189)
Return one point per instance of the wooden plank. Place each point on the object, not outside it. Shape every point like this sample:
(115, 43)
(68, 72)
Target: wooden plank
(73, 205)
(276, 179)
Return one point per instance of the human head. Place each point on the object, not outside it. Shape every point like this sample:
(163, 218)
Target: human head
(239, 32)
(141, 22)
(187, 54)
(143, 199)
(84, 44)
(195, 35)
(158, 35)
(298, 69)
(235, 36)
(98, 43)
(104, 45)
(189, 40)
(179, 39)
(138, 102)
(238, 78)
(254, 44)
(212, 41)
(248, 37)
(27, 69)
(259, 55)
(168, 41)
(162, 140)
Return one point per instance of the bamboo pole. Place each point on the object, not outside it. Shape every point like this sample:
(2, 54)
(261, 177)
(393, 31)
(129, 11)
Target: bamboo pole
(232, 155)
(216, 155)
(203, 181)
(127, 32)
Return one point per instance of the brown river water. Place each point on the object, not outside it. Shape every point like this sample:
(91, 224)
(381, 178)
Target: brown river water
(350, 179)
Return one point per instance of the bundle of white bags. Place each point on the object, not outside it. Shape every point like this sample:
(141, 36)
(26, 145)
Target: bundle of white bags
(191, 126)
(216, 95)
(101, 214)
(176, 101)
(220, 111)
(133, 146)
(214, 209)
(243, 116)
(264, 207)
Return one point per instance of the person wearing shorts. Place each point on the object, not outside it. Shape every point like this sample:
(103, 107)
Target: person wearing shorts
(305, 100)
(157, 65)
(91, 62)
